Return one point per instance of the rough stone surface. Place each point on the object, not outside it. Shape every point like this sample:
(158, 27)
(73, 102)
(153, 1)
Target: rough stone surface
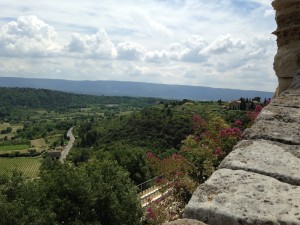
(289, 98)
(296, 81)
(258, 156)
(185, 222)
(235, 197)
(278, 123)
(287, 59)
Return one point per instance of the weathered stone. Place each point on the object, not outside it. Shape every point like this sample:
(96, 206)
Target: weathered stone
(264, 157)
(288, 133)
(289, 98)
(281, 114)
(296, 81)
(287, 59)
(279, 121)
(236, 197)
(185, 222)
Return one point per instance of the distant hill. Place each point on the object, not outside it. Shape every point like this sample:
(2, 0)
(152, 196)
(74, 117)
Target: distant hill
(135, 89)
(43, 98)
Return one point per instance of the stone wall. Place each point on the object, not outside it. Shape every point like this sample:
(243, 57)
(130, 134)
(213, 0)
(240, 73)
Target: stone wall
(287, 59)
(259, 181)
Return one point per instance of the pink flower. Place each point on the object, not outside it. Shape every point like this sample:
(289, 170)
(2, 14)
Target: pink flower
(222, 133)
(151, 213)
(218, 151)
(196, 118)
(238, 123)
(258, 109)
(150, 155)
(175, 156)
(236, 130)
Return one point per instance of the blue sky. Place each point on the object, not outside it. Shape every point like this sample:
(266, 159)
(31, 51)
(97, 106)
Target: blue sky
(216, 43)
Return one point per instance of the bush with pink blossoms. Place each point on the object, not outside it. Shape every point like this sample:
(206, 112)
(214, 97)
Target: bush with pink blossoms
(252, 115)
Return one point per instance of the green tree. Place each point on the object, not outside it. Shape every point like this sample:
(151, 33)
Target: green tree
(243, 105)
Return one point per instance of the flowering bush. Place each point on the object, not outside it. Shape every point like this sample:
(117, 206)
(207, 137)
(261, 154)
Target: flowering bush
(155, 214)
(197, 159)
(252, 115)
(212, 141)
(174, 171)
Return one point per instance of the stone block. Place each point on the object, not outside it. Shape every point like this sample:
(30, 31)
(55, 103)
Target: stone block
(288, 133)
(280, 121)
(289, 98)
(185, 222)
(296, 81)
(237, 197)
(265, 157)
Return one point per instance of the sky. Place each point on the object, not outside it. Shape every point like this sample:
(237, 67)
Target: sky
(215, 43)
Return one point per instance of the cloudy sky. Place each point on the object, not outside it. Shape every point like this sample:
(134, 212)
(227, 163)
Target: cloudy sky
(216, 43)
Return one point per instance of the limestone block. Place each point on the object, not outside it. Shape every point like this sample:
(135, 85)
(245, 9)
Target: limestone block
(287, 60)
(264, 157)
(288, 133)
(296, 81)
(185, 222)
(236, 197)
(278, 123)
(279, 4)
(290, 98)
(280, 114)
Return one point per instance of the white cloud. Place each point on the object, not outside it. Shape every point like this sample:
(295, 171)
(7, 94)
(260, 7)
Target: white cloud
(28, 36)
(92, 46)
(224, 44)
(130, 51)
(157, 56)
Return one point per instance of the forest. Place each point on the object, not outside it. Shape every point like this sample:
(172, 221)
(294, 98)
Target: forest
(121, 142)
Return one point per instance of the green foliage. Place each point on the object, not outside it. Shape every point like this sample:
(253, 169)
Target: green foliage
(62, 101)
(99, 192)
(133, 159)
(153, 127)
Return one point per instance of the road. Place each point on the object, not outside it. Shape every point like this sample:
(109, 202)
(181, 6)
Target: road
(65, 152)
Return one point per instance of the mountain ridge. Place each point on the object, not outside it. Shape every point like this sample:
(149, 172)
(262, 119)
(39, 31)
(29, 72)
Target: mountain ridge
(134, 89)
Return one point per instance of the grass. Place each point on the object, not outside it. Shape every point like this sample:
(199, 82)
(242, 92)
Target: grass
(38, 143)
(13, 147)
(28, 166)
(3, 126)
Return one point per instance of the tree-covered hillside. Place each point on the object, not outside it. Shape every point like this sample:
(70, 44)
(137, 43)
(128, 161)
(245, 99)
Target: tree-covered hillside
(43, 98)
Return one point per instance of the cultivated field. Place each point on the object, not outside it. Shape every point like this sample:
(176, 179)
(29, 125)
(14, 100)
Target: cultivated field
(13, 147)
(28, 166)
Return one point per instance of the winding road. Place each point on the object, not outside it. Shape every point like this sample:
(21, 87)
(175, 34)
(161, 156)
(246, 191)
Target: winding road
(65, 152)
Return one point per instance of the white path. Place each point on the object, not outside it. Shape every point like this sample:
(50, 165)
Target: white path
(65, 152)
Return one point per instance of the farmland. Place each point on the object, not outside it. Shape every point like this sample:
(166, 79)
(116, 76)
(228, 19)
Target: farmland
(28, 166)
(13, 147)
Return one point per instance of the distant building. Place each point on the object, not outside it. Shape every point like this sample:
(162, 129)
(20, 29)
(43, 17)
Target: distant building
(235, 105)
(54, 154)
(59, 148)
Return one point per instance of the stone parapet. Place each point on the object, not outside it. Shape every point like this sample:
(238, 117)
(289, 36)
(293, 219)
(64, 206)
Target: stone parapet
(259, 181)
